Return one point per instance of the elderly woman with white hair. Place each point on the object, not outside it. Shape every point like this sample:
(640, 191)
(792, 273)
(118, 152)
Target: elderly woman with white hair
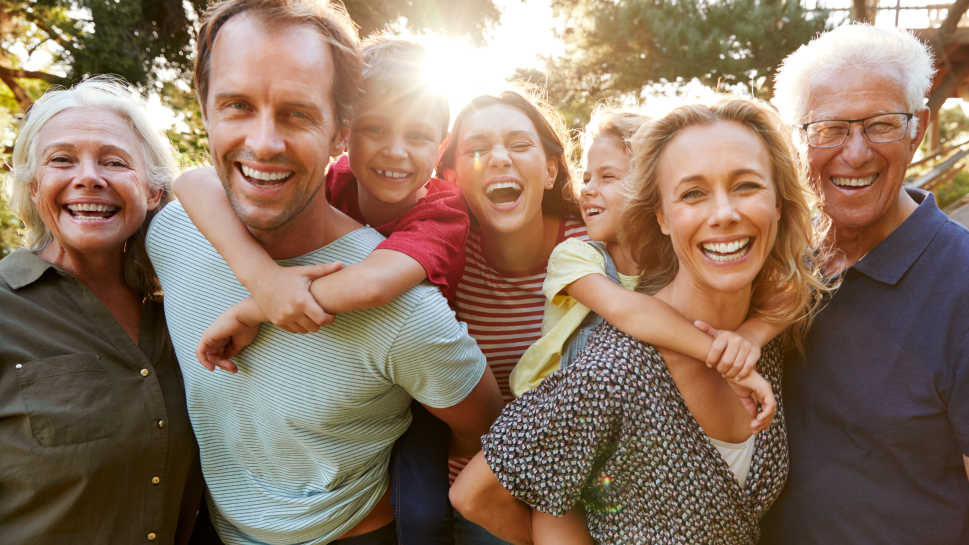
(95, 440)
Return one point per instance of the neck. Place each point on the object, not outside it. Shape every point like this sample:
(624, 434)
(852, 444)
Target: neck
(99, 271)
(722, 310)
(852, 244)
(623, 259)
(377, 212)
(525, 249)
(315, 226)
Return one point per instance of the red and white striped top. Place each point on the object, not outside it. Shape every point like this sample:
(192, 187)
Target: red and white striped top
(503, 309)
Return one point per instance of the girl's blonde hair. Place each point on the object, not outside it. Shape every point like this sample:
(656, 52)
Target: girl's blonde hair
(789, 287)
(112, 94)
(608, 121)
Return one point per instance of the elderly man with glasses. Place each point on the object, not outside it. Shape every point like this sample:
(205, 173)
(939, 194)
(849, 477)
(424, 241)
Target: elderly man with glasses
(878, 404)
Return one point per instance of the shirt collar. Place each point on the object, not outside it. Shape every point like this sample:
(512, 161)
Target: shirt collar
(22, 268)
(895, 255)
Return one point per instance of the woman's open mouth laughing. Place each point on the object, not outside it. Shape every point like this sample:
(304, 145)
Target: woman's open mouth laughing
(727, 251)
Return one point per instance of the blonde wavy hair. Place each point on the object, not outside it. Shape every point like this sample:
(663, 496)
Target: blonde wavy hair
(789, 287)
(112, 94)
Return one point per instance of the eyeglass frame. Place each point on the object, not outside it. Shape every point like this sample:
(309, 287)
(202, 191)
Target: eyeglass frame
(908, 119)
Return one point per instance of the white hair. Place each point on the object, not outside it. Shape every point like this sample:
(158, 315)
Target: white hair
(113, 94)
(854, 47)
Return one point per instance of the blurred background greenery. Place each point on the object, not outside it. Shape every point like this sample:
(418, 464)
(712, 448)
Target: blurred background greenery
(622, 51)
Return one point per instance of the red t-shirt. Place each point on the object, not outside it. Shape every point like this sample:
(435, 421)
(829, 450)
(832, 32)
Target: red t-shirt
(432, 232)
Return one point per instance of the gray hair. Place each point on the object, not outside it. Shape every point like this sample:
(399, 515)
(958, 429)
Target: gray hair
(114, 94)
(851, 48)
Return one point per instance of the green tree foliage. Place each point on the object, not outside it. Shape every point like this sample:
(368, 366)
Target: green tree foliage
(614, 48)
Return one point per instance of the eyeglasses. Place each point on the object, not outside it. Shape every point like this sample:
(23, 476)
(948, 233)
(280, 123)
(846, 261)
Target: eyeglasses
(879, 129)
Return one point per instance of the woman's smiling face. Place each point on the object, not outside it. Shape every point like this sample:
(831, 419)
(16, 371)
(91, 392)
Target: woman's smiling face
(719, 204)
(502, 168)
(90, 186)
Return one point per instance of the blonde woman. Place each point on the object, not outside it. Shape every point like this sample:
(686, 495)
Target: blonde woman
(655, 447)
(95, 441)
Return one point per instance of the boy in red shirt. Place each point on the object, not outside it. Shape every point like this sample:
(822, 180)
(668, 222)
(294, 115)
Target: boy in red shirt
(385, 180)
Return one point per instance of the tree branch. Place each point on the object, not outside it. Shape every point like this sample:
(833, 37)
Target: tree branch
(956, 11)
(23, 99)
(30, 74)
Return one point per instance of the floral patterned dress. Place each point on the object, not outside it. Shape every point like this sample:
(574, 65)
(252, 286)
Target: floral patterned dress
(613, 432)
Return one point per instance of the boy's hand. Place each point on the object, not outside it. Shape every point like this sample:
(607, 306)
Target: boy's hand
(752, 391)
(733, 355)
(228, 334)
(283, 295)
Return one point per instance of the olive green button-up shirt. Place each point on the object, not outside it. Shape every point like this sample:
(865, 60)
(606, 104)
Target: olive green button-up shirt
(95, 442)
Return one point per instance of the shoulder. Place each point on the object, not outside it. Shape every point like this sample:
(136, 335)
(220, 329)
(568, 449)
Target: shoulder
(575, 248)
(352, 247)
(613, 355)
(172, 219)
(443, 201)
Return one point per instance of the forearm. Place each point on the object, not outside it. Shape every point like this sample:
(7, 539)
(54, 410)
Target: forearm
(201, 194)
(759, 331)
(479, 496)
(641, 316)
(248, 313)
(380, 278)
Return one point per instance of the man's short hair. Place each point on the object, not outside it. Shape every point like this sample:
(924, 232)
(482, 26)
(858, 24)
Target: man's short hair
(854, 47)
(396, 68)
(330, 19)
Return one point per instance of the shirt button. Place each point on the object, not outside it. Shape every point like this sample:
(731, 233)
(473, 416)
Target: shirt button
(152, 536)
(155, 480)
(19, 366)
(144, 372)
(161, 423)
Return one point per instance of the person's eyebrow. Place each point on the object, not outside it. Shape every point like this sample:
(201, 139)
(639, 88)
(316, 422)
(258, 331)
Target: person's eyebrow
(736, 173)
(297, 105)
(110, 147)
(59, 145)
(516, 134)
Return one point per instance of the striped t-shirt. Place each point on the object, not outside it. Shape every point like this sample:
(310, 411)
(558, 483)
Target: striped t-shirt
(503, 309)
(295, 446)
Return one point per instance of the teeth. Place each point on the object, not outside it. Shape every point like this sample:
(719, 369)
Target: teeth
(87, 207)
(726, 251)
(593, 211)
(266, 176)
(502, 185)
(854, 182)
(390, 174)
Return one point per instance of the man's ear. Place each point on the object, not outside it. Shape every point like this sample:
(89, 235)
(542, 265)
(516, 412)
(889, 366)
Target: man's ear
(340, 140)
(923, 118)
(661, 220)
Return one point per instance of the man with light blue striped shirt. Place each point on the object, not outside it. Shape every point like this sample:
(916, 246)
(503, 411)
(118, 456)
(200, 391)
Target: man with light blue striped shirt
(295, 446)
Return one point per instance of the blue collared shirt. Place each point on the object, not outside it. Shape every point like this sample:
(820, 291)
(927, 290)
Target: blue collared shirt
(878, 406)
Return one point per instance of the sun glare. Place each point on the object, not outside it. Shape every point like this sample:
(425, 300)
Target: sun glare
(464, 72)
